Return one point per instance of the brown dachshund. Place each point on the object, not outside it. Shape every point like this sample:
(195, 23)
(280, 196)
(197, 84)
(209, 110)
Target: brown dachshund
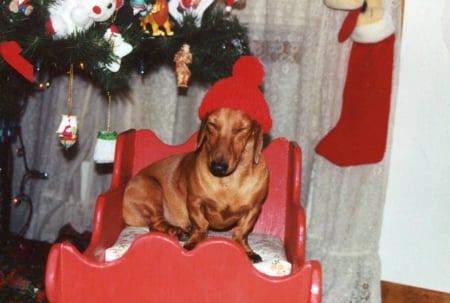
(220, 185)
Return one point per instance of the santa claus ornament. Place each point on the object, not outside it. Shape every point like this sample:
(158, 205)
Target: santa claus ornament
(120, 47)
(68, 128)
(360, 135)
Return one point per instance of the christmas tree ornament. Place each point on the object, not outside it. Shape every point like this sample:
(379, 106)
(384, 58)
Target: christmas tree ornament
(184, 5)
(360, 135)
(106, 141)
(72, 16)
(119, 46)
(10, 51)
(182, 59)
(158, 19)
(178, 9)
(68, 128)
(140, 7)
(181, 8)
(21, 6)
(229, 5)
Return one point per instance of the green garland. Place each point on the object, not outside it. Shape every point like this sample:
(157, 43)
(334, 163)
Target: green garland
(215, 46)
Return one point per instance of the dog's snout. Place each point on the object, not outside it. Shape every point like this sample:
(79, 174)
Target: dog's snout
(219, 168)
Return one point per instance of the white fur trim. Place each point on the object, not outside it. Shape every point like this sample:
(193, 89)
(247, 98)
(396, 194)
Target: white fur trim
(375, 32)
(344, 5)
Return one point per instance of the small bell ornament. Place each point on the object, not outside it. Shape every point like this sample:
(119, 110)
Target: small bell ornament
(105, 145)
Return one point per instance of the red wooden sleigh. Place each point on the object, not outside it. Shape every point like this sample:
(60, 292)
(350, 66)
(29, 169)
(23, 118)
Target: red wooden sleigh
(156, 268)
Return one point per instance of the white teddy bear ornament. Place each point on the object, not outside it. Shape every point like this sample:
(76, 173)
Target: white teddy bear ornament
(70, 16)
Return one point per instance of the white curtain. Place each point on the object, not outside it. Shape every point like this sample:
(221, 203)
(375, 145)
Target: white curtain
(305, 73)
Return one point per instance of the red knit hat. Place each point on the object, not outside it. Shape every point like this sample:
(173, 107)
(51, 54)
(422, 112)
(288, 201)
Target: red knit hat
(240, 91)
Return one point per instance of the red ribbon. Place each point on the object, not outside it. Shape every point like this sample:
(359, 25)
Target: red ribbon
(10, 51)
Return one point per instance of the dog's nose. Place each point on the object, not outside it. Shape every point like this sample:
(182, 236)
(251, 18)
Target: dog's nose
(219, 169)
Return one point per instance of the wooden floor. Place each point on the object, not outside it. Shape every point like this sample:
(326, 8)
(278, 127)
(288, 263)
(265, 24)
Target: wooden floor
(398, 293)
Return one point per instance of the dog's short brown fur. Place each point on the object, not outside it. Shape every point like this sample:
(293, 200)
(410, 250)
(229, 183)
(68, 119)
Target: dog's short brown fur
(222, 184)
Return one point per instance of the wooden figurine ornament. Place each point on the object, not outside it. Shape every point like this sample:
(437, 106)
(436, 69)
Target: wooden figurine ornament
(182, 60)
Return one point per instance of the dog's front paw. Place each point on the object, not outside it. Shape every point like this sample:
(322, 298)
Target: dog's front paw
(254, 257)
(189, 246)
(179, 233)
(183, 236)
(195, 238)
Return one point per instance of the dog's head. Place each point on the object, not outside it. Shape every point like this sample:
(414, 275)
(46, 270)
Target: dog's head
(229, 137)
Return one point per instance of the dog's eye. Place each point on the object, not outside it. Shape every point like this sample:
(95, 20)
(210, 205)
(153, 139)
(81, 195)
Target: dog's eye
(240, 130)
(212, 125)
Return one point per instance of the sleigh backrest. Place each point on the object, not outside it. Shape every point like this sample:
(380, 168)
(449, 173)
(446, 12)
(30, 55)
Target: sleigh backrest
(137, 148)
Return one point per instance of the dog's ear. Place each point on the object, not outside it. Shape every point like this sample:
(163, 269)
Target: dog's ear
(201, 134)
(258, 145)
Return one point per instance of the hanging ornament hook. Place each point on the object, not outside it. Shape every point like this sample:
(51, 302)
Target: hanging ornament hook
(108, 118)
(70, 94)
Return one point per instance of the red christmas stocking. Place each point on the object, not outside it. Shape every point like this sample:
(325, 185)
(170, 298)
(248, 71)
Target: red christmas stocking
(361, 133)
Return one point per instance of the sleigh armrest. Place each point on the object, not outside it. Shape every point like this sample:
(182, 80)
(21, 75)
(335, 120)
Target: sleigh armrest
(108, 222)
(282, 214)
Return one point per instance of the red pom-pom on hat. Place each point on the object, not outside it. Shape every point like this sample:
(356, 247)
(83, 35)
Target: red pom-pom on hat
(240, 91)
(248, 68)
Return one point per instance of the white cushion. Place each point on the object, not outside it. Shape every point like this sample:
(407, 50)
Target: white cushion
(269, 247)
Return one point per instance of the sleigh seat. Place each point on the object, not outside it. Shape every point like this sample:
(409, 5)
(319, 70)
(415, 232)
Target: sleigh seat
(156, 268)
